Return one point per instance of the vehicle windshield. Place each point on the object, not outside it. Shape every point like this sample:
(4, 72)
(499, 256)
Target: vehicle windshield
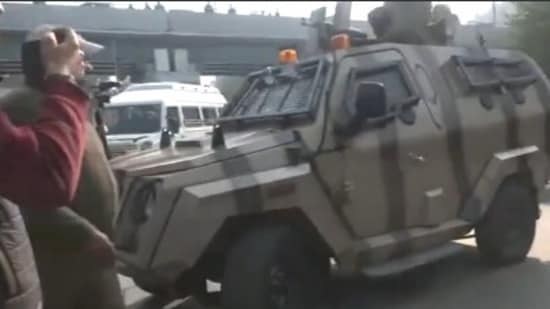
(133, 119)
(280, 91)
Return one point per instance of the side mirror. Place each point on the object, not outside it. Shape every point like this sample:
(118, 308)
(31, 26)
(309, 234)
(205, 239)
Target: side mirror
(165, 139)
(173, 125)
(370, 101)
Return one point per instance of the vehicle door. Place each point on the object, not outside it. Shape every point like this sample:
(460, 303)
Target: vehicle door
(397, 172)
(209, 115)
(173, 120)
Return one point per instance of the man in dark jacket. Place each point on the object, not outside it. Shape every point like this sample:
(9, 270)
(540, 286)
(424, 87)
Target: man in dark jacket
(40, 166)
(74, 272)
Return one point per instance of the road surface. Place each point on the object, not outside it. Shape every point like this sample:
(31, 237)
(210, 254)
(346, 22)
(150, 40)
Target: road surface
(457, 282)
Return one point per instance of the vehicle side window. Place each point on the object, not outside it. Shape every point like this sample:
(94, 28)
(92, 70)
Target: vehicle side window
(394, 83)
(209, 114)
(173, 119)
(191, 116)
(399, 95)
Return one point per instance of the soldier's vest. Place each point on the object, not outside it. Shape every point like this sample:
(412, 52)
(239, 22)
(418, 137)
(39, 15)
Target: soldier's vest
(19, 282)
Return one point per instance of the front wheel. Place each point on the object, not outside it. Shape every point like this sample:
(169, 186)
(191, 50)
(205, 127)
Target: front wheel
(272, 268)
(506, 233)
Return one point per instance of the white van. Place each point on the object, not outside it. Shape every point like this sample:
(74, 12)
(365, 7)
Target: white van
(135, 118)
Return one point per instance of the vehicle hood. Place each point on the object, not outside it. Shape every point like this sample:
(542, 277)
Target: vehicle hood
(134, 138)
(177, 159)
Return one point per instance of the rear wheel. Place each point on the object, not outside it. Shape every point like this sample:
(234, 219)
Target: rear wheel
(506, 233)
(273, 268)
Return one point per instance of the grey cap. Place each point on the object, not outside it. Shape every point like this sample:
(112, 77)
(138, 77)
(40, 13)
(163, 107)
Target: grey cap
(86, 46)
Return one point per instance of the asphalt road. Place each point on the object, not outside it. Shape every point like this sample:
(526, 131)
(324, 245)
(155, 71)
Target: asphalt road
(460, 281)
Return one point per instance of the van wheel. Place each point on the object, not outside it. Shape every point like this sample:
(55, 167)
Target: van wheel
(273, 268)
(506, 233)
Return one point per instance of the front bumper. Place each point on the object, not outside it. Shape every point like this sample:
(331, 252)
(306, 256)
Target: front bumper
(118, 148)
(164, 274)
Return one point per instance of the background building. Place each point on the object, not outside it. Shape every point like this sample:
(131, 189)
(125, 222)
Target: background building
(177, 45)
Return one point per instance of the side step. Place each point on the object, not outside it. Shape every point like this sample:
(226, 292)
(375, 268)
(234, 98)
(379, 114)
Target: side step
(412, 261)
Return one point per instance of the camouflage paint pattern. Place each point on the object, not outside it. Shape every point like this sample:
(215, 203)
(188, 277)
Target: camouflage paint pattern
(373, 195)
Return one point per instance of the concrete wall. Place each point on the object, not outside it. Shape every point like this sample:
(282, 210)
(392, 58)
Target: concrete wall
(140, 51)
(10, 45)
(181, 77)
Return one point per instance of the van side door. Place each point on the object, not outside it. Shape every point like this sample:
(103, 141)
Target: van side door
(173, 119)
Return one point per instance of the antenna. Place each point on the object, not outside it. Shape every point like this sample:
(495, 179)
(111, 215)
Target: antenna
(494, 13)
(480, 38)
(482, 42)
(342, 16)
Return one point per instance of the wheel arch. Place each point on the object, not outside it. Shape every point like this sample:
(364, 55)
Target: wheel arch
(212, 260)
(528, 165)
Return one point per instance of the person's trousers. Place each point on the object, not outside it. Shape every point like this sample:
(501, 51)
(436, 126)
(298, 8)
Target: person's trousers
(74, 281)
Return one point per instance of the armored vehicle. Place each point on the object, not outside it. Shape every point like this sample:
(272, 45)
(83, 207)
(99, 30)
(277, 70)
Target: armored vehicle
(363, 157)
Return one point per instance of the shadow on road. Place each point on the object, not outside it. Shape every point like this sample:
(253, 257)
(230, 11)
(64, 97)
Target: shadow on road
(461, 281)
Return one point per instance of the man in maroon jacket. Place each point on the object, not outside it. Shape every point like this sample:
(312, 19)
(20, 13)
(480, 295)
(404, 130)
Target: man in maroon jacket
(40, 166)
(40, 163)
(73, 252)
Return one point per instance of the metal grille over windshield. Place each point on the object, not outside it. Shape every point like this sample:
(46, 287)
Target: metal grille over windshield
(280, 91)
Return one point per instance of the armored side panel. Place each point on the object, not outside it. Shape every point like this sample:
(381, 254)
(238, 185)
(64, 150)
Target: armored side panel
(457, 118)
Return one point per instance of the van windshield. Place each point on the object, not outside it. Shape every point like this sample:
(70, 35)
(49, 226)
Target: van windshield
(133, 119)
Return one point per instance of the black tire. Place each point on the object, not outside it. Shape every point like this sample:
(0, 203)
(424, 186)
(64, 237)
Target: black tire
(506, 233)
(273, 268)
(195, 285)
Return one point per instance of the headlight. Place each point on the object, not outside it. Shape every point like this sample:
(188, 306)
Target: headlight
(146, 145)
